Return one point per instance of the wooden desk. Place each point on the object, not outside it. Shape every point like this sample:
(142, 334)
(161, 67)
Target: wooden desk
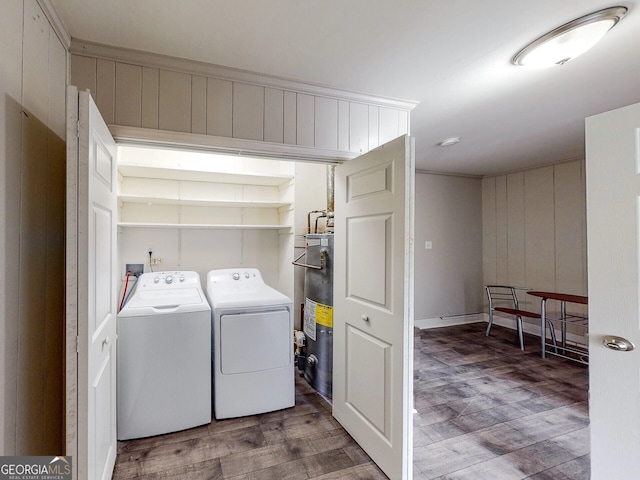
(570, 352)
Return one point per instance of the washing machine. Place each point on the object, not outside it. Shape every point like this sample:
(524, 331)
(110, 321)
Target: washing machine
(164, 356)
(252, 344)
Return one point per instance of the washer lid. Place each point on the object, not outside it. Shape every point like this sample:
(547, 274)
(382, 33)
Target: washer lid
(150, 302)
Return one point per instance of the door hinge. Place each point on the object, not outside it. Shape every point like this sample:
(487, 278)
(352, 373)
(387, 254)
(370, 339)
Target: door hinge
(78, 129)
(77, 344)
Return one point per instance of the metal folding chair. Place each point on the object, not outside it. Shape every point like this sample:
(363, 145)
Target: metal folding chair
(503, 298)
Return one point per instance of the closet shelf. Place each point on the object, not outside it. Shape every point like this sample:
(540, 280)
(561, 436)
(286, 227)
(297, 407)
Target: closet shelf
(205, 203)
(168, 173)
(203, 226)
(241, 198)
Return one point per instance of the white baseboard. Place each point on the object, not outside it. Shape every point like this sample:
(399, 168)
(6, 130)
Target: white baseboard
(532, 328)
(508, 322)
(438, 322)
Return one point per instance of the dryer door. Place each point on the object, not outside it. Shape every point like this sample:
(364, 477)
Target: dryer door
(255, 341)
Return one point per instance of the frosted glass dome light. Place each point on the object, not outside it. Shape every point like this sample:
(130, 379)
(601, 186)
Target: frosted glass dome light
(570, 40)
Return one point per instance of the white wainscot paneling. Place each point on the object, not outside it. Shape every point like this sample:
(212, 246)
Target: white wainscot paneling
(326, 123)
(219, 107)
(128, 109)
(273, 115)
(174, 108)
(540, 228)
(516, 270)
(105, 95)
(489, 241)
(150, 85)
(248, 111)
(290, 118)
(83, 73)
(198, 104)
(501, 230)
(358, 127)
(305, 120)
(374, 138)
(389, 124)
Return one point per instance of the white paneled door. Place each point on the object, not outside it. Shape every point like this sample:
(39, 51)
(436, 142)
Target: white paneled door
(373, 303)
(91, 289)
(613, 238)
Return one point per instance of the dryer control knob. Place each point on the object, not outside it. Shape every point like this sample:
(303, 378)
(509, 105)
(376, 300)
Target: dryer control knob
(246, 275)
(182, 278)
(236, 276)
(156, 280)
(169, 279)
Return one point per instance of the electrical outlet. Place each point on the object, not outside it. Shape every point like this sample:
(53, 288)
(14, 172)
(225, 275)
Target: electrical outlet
(135, 269)
(155, 261)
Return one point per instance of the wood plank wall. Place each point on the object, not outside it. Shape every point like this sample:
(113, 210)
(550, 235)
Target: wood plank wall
(137, 95)
(534, 229)
(33, 158)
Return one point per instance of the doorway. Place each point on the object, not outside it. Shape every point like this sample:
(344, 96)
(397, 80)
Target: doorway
(365, 184)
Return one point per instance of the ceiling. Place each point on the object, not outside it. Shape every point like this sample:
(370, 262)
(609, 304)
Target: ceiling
(453, 57)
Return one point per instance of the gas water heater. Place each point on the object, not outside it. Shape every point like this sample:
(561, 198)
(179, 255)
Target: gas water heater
(318, 312)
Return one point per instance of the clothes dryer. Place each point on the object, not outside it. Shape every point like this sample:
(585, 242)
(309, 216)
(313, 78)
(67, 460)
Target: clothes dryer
(164, 363)
(252, 344)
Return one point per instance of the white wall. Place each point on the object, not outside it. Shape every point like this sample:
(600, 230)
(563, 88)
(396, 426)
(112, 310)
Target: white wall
(202, 250)
(311, 194)
(534, 230)
(32, 154)
(448, 278)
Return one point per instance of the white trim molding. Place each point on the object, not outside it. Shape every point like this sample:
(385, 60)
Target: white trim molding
(234, 146)
(507, 322)
(148, 59)
(532, 328)
(450, 321)
(56, 22)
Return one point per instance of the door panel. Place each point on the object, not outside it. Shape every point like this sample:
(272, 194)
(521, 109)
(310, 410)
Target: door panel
(103, 432)
(367, 256)
(373, 296)
(103, 278)
(91, 289)
(367, 358)
(613, 210)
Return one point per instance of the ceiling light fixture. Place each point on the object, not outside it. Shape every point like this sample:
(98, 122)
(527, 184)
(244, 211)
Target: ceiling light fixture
(447, 142)
(569, 40)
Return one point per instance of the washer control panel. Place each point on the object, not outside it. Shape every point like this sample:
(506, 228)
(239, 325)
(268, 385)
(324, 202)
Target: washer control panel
(235, 278)
(163, 280)
(246, 275)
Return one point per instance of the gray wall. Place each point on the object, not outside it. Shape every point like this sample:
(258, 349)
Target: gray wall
(33, 76)
(448, 278)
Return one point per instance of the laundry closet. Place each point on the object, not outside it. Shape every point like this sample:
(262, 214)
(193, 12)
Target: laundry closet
(188, 210)
(202, 240)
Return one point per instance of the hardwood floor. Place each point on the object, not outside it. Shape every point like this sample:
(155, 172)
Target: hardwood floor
(486, 410)
(303, 442)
